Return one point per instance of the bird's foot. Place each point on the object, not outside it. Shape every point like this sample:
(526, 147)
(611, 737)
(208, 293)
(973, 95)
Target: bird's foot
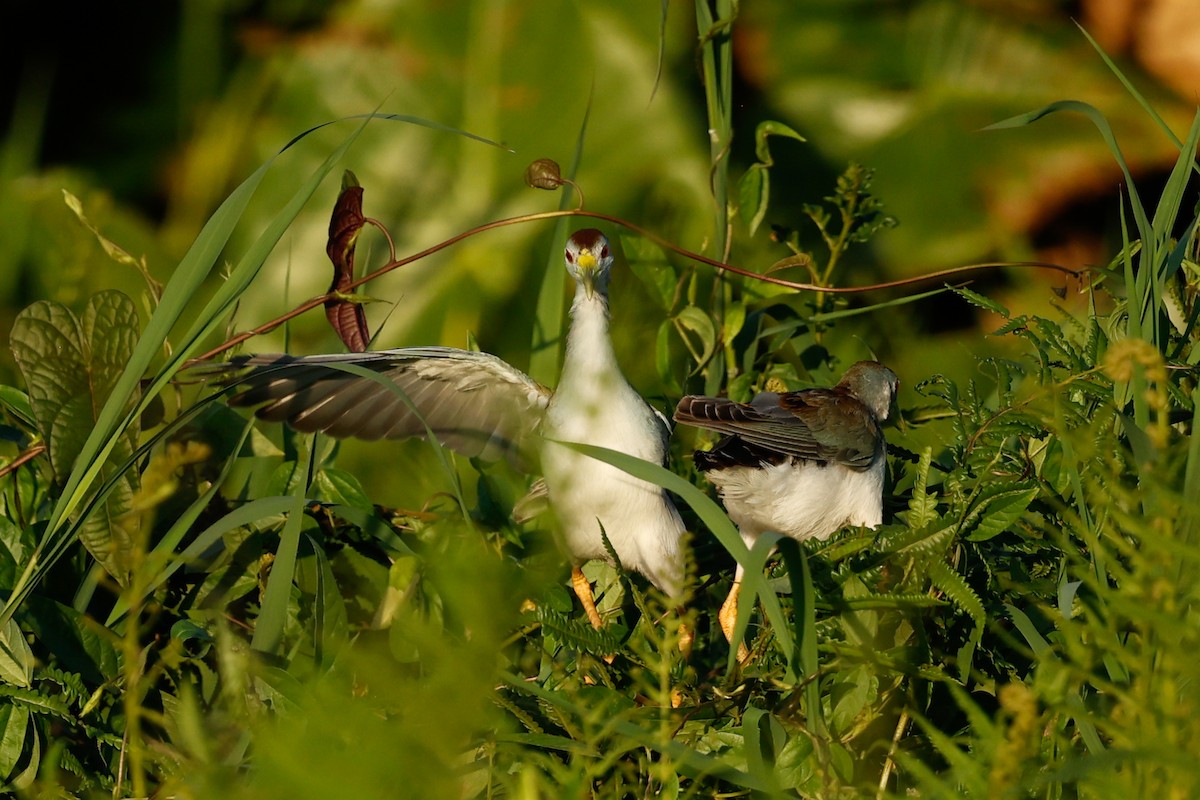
(727, 616)
(583, 590)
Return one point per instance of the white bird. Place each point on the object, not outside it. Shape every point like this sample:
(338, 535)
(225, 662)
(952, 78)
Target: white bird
(479, 405)
(802, 464)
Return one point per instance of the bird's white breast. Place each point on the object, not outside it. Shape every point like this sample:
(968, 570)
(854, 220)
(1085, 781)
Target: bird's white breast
(595, 405)
(803, 500)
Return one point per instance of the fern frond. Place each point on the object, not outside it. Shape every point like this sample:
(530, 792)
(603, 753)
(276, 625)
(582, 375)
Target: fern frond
(577, 634)
(71, 683)
(38, 702)
(978, 300)
(947, 580)
(922, 541)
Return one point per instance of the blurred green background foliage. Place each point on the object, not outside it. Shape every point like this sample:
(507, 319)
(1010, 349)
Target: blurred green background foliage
(152, 124)
(151, 115)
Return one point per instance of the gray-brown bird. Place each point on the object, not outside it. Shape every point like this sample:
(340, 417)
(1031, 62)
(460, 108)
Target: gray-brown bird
(479, 405)
(802, 464)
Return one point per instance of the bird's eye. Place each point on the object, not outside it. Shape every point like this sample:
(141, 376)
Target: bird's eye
(604, 252)
(570, 257)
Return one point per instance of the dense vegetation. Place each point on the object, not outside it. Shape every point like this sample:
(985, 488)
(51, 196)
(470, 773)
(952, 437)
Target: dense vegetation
(197, 605)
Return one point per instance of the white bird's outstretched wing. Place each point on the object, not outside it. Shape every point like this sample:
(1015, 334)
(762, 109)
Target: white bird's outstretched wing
(473, 402)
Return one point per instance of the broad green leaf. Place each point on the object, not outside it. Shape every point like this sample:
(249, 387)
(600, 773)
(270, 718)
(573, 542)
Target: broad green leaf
(330, 626)
(797, 767)
(17, 403)
(607, 588)
(1036, 641)
(754, 193)
(79, 643)
(340, 487)
(697, 320)
(842, 760)
(998, 509)
(851, 694)
(754, 189)
(12, 553)
(649, 264)
(14, 727)
(71, 365)
(731, 325)
(764, 736)
(185, 630)
(16, 659)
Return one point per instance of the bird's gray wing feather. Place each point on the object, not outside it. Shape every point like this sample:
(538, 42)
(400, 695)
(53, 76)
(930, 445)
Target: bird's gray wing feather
(816, 425)
(473, 402)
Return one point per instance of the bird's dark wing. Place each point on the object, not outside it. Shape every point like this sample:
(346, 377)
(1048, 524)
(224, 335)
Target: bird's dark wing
(733, 451)
(473, 402)
(827, 425)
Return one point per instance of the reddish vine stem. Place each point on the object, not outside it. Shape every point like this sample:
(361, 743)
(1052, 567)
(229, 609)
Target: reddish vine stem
(395, 263)
(579, 212)
(30, 454)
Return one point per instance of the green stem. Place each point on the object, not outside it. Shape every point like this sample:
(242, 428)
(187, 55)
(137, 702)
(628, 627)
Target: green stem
(714, 22)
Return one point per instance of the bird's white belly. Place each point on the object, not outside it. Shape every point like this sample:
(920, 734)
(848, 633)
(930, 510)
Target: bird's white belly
(803, 501)
(642, 526)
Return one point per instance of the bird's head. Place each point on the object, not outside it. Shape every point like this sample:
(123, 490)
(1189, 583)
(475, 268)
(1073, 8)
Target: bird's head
(589, 260)
(873, 384)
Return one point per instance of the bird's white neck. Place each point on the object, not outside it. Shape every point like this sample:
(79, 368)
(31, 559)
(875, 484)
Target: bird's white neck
(590, 360)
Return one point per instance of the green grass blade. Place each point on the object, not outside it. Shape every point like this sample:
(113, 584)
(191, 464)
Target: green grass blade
(163, 552)
(1167, 211)
(1141, 100)
(805, 620)
(754, 583)
(1106, 133)
(761, 737)
(830, 316)
(177, 294)
(272, 617)
(191, 272)
(187, 278)
(545, 353)
(252, 261)
(253, 511)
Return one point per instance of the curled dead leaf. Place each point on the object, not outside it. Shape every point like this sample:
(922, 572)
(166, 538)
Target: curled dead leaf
(347, 317)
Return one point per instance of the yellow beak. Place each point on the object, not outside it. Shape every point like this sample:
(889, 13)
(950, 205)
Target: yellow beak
(587, 271)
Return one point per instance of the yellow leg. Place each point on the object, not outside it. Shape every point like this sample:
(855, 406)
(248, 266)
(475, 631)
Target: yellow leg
(727, 616)
(583, 590)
